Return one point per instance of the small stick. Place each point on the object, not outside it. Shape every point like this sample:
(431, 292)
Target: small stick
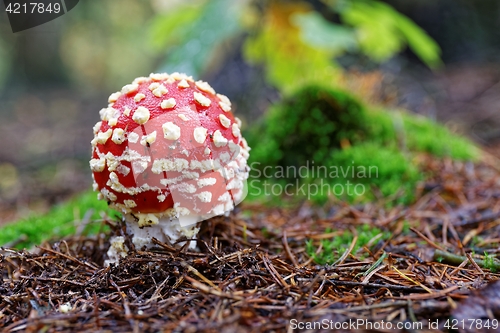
(68, 257)
(473, 262)
(209, 290)
(455, 259)
(198, 274)
(274, 273)
(346, 253)
(128, 314)
(287, 249)
(377, 285)
(361, 308)
(230, 256)
(411, 280)
(52, 280)
(436, 294)
(431, 243)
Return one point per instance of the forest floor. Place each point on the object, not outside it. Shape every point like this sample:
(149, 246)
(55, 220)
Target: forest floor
(255, 270)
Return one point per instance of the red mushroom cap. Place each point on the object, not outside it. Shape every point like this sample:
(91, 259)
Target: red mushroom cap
(168, 144)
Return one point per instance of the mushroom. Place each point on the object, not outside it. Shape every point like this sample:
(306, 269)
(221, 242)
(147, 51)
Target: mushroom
(168, 153)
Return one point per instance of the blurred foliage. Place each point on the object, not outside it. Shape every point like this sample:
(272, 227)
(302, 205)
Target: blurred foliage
(103, 43)
(294, 40)
(290, 61)
(298, 45)
(108, 43)
(322, 126)
(5, 61)
(61, 221)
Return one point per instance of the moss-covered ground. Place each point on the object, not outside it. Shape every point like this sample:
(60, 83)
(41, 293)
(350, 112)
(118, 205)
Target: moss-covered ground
(338, 147)
(82, 213)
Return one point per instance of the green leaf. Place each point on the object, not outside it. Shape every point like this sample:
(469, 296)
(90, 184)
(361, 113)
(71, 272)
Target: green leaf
(424, 47)
(382, 32)
(375, 25)
(318, 32)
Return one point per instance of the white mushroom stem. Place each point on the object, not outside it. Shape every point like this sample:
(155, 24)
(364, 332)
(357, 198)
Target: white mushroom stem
(143, 227)
(166, 229)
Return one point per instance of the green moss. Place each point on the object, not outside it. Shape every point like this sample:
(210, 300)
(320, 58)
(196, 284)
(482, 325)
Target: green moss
(334, 248)
(426, 136)
(490, 262)
(270, 191)
(58, 222)
(320, 127)
(306, 126)
(377, 168)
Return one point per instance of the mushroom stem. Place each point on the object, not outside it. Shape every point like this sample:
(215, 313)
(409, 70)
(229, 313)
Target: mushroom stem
(166, 229)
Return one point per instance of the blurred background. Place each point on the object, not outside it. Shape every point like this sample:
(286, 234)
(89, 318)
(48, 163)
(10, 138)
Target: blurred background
(439, 58)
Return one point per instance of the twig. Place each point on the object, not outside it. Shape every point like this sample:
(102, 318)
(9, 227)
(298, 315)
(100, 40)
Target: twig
(431, 243)
(198, 274)
(344, 256)
(52, 279)
(436, 294)
(377, 285)
(69, 258)
(359, 308)
(211, 290)
(455, 259)
(289, 253)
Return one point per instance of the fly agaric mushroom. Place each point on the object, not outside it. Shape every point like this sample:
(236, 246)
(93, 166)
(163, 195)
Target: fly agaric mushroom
(168, 153)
